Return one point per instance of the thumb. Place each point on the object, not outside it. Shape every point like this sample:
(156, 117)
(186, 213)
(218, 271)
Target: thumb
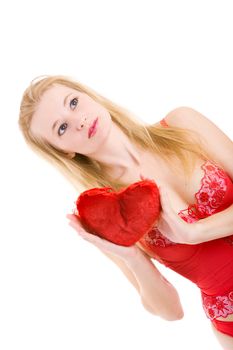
(164, 198)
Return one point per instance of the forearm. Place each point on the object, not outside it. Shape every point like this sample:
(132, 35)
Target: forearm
(215, 226)
(157, 294)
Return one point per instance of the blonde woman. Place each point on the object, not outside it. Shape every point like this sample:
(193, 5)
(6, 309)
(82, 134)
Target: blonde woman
(96, 143)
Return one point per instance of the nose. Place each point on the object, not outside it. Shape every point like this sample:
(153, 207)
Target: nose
(81, 122)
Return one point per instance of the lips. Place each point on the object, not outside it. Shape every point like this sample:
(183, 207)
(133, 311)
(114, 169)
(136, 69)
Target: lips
(92, 128)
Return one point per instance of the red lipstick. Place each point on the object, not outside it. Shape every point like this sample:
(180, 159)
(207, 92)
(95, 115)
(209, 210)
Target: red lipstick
(92, 129)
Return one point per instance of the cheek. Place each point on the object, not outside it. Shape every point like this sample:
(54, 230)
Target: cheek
(76, 139)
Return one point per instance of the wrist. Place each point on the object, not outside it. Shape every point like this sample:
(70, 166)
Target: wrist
(196, 236)
(136, 258)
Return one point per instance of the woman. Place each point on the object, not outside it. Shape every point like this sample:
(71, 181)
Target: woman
(96, 143)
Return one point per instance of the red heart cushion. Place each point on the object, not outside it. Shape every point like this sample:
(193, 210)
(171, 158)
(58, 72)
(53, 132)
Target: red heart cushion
(121, 217)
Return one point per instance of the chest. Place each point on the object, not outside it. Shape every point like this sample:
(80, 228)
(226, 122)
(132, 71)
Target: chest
(204, 191)
(206, 179)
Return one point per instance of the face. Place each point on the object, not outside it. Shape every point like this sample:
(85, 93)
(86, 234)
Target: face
(64, 116)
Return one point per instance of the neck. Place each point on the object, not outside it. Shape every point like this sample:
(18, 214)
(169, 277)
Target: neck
(118, 154)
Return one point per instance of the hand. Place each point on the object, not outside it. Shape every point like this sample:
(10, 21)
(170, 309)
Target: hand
(125, 253)
(171, 225)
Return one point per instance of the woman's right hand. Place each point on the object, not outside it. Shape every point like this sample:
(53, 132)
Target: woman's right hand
(125, 253)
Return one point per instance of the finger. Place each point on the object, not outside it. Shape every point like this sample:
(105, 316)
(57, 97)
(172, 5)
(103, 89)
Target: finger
(86, 235)
(76, 227)
(72, 217)
(166, 204)
(164, 199)
(81, 233)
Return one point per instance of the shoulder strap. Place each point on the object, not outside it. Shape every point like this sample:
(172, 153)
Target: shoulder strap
(164, 123)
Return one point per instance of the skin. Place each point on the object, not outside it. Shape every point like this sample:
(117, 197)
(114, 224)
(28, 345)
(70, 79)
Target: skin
(79, 116)
(79, 112)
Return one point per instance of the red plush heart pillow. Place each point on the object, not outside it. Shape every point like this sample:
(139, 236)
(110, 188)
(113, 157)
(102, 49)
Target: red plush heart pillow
(121, 217)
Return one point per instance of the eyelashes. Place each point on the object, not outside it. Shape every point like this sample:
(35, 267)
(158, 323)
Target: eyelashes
(73, 103)
(63, 127)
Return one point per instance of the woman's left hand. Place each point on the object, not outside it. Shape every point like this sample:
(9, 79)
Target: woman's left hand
(125, 253)
(171, 225)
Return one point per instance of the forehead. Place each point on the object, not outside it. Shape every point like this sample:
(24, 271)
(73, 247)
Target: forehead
(49, 109)
(53, 98)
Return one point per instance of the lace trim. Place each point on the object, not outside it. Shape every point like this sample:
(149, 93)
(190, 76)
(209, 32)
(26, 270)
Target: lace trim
(217, 306)
(209, 198)
(210, 195)
(164, 123)
(229, 239)
(155, 238)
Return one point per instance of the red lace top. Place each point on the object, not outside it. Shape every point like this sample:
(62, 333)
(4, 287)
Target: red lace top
(210, 264)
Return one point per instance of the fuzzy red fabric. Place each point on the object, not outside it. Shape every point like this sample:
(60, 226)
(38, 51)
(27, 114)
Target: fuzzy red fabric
(121, 217)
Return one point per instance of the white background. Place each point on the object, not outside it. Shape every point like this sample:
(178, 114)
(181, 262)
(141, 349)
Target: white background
(57, 291)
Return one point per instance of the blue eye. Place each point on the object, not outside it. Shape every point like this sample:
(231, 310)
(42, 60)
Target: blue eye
(62, 128)
(73, 103)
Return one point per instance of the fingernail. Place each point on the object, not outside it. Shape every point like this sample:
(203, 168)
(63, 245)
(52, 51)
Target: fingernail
(68, 216)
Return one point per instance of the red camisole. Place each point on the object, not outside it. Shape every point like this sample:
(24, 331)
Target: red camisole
(210, 264)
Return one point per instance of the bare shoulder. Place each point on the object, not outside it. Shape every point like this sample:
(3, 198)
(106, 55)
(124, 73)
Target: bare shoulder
(218, 145)
(190, 118)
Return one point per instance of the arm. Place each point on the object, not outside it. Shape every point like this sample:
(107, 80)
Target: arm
(124, 268)
(220, 148)
(177, 230)
(158, 296)
(215, 226)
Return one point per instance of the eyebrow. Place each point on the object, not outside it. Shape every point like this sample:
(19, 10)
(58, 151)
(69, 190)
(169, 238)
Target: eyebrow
(54, 125)
(64, 103)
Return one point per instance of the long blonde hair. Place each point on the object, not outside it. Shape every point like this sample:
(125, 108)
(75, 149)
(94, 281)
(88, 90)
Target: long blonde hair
(85, 173)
